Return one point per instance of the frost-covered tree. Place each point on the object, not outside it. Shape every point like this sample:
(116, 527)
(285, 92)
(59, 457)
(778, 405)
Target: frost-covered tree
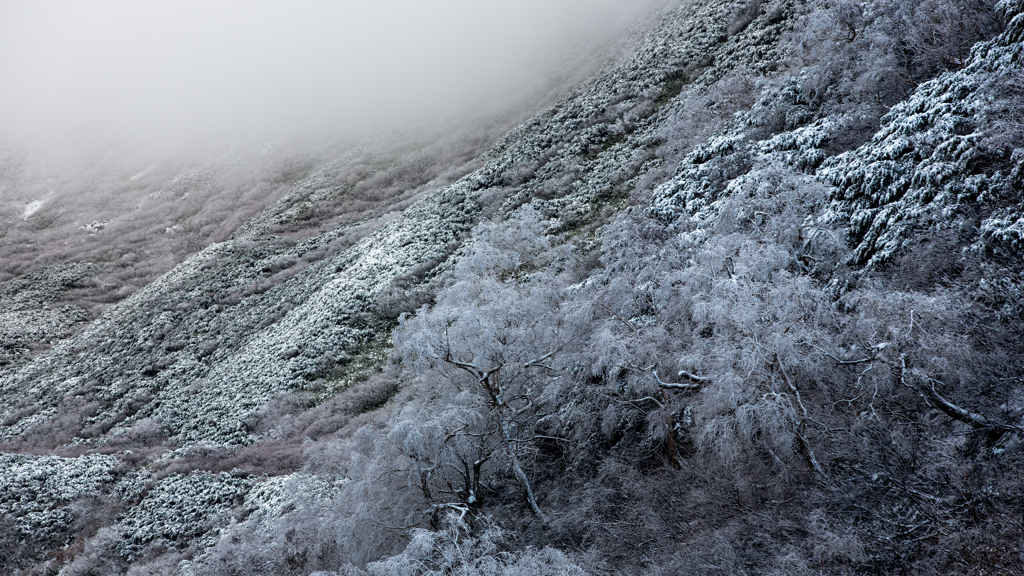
(483, 356)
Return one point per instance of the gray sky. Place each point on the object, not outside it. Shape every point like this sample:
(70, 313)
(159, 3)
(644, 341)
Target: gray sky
(149, 71)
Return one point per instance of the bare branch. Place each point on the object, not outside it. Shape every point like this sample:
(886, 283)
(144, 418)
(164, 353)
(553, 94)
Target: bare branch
(538, 361)
(800, 426)
(463, 365)
(679, 386)
(633, 403)
(932, 396)
(842, 362)
(619, 318)
(694, 377)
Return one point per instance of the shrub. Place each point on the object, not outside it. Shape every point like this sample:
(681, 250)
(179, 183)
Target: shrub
(459, 551)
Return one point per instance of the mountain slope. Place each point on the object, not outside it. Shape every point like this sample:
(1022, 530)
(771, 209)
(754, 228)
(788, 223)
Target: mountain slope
(705, 247)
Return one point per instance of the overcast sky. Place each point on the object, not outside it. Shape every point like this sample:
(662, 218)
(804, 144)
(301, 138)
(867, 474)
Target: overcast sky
(146, 71)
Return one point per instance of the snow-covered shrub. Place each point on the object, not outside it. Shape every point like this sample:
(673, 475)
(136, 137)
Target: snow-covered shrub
(180, 508)
(44, 500)
(931, 166)
(744, 17)
(700, 111)
(458, 551)
(873, 54)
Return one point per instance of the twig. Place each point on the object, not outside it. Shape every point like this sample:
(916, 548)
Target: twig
(619, 318)
(841, 361)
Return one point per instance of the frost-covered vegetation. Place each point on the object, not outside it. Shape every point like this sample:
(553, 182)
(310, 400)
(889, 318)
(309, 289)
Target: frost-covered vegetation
(747, 302)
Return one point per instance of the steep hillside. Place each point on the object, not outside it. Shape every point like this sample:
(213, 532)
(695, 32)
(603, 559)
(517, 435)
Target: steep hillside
(747, 301)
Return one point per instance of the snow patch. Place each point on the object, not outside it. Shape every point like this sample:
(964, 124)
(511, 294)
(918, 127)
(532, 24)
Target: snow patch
(31, 208)
(145, 171)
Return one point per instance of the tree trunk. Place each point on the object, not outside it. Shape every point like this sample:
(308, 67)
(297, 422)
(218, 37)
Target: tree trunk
(525, 483)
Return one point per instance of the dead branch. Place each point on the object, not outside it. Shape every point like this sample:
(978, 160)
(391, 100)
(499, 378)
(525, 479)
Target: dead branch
(932, 396)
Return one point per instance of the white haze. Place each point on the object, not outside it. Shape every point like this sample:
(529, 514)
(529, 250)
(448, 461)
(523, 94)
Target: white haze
(150, 73)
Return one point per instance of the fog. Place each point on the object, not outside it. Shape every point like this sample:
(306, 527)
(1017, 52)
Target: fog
(197, 71)
(133, 134)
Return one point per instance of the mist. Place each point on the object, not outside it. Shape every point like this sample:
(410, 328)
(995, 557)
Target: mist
(156, 73)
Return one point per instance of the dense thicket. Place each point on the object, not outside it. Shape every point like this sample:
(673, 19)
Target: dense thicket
(706, 398)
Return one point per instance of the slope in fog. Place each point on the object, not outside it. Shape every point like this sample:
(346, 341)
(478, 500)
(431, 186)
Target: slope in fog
(134, 135)
(744, 300)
